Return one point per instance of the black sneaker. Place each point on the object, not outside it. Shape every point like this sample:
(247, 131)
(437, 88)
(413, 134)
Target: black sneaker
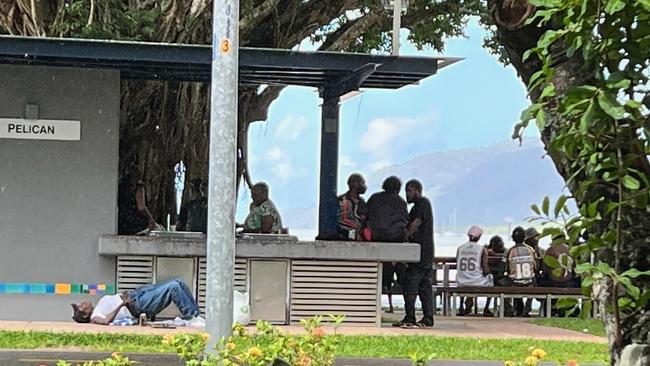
(401, 323)
(406, 325)
(422, 324)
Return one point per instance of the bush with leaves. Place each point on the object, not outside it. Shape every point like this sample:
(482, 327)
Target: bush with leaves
(266, 346)
(535, 355)
(591, 104)
(116, 359)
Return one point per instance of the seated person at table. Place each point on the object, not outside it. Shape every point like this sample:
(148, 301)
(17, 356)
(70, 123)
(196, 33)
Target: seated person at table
(387, 219)
(263, 217)
(521, 266)
(194, 214)
(472, 265)
(149, 299)
(352, 211)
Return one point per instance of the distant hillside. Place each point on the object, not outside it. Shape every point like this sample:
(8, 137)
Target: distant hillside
(483, 185)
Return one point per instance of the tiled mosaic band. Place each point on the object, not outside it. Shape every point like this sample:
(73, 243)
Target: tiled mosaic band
(56, 289)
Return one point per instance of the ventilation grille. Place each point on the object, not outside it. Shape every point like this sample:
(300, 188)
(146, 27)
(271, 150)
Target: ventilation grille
(133, 272)
(241, 270)
(338, 288)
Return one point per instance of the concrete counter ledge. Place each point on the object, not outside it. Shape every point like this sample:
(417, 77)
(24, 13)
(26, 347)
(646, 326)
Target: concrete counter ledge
(261, 246)
(287, 280)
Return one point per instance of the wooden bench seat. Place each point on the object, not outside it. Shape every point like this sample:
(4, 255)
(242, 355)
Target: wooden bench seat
(449, 295)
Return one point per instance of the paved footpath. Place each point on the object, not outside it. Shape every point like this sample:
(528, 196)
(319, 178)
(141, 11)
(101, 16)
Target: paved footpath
(445, 326)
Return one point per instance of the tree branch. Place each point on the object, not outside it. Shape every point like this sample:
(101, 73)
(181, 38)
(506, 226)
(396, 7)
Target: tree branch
(247, 23)
(350, 31)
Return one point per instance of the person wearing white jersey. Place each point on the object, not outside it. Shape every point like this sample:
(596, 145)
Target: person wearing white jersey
(472, 267)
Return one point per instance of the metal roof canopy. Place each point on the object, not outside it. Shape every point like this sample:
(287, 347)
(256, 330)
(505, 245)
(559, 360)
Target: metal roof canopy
(176, 62)
(334, 74)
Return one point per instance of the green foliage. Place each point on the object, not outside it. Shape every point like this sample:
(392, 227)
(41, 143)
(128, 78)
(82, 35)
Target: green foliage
(264, 346)
(111, 19)
(116, 359)
(418, 359)
(532, 358)
(564, 228)
(599, 133)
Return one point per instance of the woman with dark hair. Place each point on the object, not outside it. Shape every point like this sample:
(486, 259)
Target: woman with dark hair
(133, 215)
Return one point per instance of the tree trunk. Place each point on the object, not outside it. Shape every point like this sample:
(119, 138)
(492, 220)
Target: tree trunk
(635, 246)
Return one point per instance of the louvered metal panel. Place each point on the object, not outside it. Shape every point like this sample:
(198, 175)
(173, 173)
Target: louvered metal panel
(241, 279)
(336, 287)
(133, 272)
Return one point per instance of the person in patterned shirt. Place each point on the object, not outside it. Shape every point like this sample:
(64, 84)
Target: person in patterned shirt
(521, 266)
(264, 217)
(352, 211)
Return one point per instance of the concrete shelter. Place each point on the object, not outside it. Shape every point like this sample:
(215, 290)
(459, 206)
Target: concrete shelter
(59, 138)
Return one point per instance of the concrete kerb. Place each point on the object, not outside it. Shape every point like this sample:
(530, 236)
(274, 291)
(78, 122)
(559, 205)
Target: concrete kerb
(50, 357)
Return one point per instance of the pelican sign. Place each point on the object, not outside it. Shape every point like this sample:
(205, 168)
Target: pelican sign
(40, 129)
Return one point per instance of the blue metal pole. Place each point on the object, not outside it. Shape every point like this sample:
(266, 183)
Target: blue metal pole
(329, 156)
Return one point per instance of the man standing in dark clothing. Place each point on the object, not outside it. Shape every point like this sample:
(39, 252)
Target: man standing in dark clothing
(352, 212)
(387, 213)
(419, 276)
(387, 219)
(194, 214)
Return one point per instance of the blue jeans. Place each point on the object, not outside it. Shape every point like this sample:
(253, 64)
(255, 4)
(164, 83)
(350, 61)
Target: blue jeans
(152, 299)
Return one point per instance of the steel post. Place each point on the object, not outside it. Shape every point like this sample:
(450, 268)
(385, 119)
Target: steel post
(222, 170)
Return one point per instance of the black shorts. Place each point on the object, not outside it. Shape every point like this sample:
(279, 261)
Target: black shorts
(387, 277)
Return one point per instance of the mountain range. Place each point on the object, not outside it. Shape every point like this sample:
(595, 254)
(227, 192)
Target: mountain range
(487, 185)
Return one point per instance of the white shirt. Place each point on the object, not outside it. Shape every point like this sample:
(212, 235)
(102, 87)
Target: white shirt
(468, 266)
(106, 305)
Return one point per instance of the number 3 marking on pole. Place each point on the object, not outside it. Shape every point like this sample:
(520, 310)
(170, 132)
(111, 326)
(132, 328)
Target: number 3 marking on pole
(225, 46)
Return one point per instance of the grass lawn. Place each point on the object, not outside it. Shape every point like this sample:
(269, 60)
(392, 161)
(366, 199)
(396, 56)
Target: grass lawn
(452, 348)
(351, 346)
(592, 326)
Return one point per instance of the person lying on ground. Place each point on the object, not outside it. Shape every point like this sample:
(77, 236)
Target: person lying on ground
(472, 267)
(352, 211)
(264, 217)
(149, 300)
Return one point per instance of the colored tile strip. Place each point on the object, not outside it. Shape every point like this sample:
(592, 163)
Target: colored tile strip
(60, 288)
